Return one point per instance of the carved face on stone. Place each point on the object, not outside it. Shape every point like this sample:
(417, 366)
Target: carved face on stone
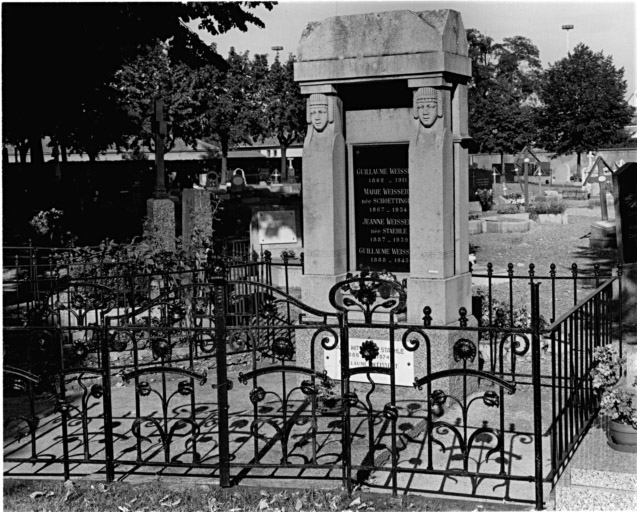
(427, 111)
(318, 117)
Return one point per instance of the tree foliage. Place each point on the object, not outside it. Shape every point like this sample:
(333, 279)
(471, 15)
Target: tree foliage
(63, 56)
(505, 78)
(284, 108)
(230, 108)
(583, 106)
(153, 75)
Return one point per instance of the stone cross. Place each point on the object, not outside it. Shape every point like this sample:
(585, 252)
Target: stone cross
(160, 128)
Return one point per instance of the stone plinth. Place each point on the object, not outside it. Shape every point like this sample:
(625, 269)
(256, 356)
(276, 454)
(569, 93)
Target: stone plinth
(196, 216)
(161, 220)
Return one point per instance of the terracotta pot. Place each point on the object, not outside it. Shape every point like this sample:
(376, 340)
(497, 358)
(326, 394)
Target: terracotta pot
(622, 434)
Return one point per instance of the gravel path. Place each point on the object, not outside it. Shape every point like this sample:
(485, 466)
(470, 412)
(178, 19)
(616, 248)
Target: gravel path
(543, 245)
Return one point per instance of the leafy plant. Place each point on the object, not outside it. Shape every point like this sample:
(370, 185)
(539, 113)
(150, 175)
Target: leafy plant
(497, 313)
(507, 209)
(618, 404)
(607, 366)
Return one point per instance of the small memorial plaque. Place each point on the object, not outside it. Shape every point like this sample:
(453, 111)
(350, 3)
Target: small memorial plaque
(277, 227)
(381, 206)
(403, 360)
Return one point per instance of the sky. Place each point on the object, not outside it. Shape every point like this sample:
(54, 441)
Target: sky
(607, 26)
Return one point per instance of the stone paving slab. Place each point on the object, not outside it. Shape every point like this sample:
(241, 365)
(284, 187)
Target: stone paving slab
(244, 447)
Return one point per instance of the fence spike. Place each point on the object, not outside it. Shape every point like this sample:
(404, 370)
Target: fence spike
(427, 318)
(463, 317)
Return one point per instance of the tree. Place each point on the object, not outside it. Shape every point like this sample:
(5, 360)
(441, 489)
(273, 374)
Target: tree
(149, 76)
(284, 108)
(229, 111)
(505, 78)
(64, 55)
(583, 106)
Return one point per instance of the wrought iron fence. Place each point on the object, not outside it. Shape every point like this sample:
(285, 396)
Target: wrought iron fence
(206, 373)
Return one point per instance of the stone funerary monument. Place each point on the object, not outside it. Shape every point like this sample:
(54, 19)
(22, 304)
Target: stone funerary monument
(385, 171)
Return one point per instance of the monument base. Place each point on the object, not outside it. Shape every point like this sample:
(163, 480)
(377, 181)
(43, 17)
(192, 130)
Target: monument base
(629, 292)
(161, 221)
(315, 290)
(445, 297)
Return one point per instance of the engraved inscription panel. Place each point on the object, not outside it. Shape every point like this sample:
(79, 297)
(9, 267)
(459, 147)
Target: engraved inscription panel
(381, 206)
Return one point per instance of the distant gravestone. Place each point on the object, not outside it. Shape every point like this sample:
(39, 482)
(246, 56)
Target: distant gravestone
(625, 195)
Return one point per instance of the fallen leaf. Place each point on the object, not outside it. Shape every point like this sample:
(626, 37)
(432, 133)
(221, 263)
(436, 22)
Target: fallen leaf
(264, 493)
(355, 503)
(263, 504)
(36, 494)
(299, 504)
(123, 509)
(49, 494)
(176, 502)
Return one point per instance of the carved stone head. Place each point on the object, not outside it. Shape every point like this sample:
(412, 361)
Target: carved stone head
(319, 111)
(427, 106)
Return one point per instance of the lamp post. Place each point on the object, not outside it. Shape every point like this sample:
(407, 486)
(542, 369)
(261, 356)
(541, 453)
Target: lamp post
(277, 49)
(567, 28)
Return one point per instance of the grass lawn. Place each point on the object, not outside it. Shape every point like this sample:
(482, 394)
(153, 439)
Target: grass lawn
(161, 496)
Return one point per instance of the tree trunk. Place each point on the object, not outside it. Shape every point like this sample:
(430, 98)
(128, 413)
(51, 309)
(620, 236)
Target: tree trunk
(64, 155)
(284, 164)
(23, 150)
(37, 155)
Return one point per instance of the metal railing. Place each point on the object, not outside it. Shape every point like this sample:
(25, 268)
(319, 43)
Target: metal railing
(160, 338)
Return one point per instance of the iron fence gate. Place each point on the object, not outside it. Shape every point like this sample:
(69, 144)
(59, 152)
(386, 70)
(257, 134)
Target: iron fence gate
(215, 378)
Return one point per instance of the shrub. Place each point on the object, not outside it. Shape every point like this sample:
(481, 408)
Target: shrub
(506, 209)
(544, 207)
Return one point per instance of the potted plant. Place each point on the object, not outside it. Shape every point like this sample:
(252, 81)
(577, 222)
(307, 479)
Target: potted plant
(617, 403)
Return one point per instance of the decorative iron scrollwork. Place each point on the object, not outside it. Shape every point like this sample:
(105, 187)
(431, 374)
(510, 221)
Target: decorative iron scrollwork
(365, 290)
(307, 388)
(283, 349)
(185, 388)
(257, 395)
(97, 391)
(491, 399)
(144, 388)
(464, 350)
(390, 412)
(369, 350)
(161, 348)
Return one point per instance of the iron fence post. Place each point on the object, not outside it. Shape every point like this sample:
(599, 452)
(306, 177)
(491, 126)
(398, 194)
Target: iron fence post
(108, 411)
(220, 296)
(537, 395)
